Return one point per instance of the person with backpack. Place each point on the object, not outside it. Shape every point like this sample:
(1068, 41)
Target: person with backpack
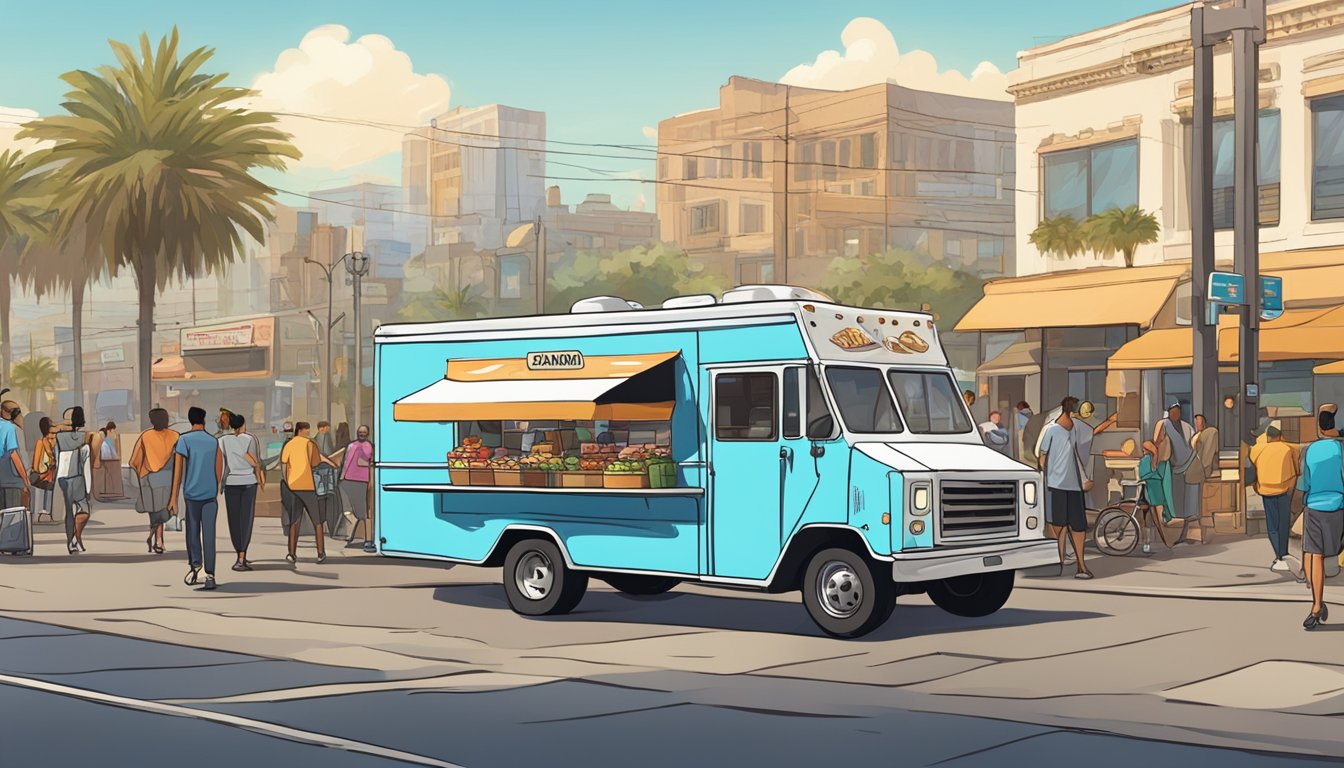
(152, 461)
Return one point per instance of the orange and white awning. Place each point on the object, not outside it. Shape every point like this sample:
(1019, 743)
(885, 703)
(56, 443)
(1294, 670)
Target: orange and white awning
(608, 387)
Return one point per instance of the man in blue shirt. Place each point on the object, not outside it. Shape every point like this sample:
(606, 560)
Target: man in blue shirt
(1322, 483)
(198, 469)
(13, 477)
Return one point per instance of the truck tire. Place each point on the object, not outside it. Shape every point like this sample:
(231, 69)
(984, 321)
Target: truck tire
(845, 594)
(640, 585)
(972, 595)
(538, 583)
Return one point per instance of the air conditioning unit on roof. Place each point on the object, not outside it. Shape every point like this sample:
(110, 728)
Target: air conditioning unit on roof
(748, 293)
(682, 302)
(603, 304)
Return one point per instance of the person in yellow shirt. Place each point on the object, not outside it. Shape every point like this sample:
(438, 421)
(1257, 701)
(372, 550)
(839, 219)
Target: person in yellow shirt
(297, 460)
(1276, 471)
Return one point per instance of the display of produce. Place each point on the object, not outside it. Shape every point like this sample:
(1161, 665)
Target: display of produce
(587, 465)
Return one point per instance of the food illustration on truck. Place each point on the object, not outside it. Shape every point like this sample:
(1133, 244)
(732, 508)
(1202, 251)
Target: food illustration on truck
(768, 439)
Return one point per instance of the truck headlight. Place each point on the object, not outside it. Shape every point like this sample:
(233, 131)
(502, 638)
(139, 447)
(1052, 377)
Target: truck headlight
(919, 500)
(1029, 493)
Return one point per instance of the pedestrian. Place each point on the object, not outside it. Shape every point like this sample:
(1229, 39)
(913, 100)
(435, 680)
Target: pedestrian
(326, 441)
(222, 423)
(1322, 482)
(198, 468)
(1066, 482)
(1276, 474)
(242, 476)
(1173, 437)
(1205, 443)
(43, 476)
(1022, 415)
(355, 483)
(14, 482)
(298, 459)
(1156, 486)
(995, 436)
(107, 484)
(74, 476)
(152, 462)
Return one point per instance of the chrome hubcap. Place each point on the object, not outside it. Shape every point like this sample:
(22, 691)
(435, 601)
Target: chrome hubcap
(839, 590)
(534, 575)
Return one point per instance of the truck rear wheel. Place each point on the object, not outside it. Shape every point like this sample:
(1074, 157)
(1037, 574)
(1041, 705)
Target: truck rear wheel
(538, 583)
(973, 595)
(845, 595)
(639, 584)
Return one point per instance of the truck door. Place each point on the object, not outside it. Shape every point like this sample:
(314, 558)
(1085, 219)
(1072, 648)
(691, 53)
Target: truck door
(748, 454)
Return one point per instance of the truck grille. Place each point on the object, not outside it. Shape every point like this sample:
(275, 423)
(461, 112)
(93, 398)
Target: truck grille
(970, 508)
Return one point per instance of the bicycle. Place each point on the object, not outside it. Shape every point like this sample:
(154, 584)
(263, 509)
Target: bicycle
(1120, 527)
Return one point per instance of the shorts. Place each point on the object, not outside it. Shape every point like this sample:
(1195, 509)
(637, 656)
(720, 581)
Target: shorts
(1066, 509)
(1322, 532)
(300, 502)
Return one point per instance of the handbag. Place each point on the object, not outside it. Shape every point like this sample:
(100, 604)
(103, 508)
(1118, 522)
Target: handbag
(324, 481)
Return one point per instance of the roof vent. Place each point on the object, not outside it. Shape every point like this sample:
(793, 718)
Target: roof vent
(603, 304)
(748, 293)
(682, 302)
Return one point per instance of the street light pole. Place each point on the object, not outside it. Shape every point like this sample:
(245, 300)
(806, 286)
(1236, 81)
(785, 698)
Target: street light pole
(327, 269)
(357, 265)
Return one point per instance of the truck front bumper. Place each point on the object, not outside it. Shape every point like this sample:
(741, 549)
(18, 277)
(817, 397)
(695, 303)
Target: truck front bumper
(951, 562)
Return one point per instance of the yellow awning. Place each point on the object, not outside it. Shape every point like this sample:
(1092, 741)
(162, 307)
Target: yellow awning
(615, 387)
(1081, 298)
(1304, 334)
(1019, 359)
(1159, 348)
(1329, 369)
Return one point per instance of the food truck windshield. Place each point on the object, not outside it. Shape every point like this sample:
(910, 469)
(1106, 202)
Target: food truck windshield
(928, 401)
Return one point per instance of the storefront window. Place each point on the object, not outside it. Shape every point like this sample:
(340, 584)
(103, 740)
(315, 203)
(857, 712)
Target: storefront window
(1083, 182)
(930, 402)
(864, 400)
(1286, 388)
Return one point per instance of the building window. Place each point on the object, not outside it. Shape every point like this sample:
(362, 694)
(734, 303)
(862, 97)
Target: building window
(1224, 168)
(842, 159)
(745, 406)
(868, 150)
(752, 166)
(952, 248)
(725, 163)
(866, 188)
(753, 219)
(662, 168)
(1083, 182)
(828, 162)
(806, 158)
(1327, 158)
(705, 218)
(691, 168)
(512, 270)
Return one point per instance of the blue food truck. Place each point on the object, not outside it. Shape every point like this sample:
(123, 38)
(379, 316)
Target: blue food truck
(767, 439)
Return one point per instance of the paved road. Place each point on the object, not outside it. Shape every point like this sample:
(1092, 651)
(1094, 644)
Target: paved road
(366, 661)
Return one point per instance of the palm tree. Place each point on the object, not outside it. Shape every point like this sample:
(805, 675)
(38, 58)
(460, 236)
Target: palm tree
(157, 157)
(1120, 230)
(1059, 236)
(33, 376)
(21, 190)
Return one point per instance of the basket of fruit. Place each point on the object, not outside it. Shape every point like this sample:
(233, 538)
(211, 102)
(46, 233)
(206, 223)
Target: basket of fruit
(632, 473)
(508, 472)
(662, 472)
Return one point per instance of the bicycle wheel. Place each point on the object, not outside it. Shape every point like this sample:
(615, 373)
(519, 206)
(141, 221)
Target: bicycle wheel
(1117, 532)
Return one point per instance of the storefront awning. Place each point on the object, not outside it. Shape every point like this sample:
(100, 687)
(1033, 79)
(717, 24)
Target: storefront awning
(1083, 298)
(1020, 359)
(1335, 368)
(616, 387)
(1304, 334)
(1156, 349)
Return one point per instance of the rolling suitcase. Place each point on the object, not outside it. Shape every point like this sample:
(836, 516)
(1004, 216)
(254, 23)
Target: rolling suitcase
(16, 531)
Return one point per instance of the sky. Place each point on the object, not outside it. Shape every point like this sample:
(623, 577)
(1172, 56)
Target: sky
(603, 72)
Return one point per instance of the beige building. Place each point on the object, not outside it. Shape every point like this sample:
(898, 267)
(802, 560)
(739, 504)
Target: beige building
(473, 175)
(817, 174)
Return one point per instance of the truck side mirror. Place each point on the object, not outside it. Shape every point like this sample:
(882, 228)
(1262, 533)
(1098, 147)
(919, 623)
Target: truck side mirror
(821, 428)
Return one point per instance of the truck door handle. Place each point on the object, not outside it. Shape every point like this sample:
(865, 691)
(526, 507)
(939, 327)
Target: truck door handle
(785, 452)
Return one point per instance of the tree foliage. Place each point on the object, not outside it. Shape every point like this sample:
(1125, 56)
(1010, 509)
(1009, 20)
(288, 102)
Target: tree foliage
(1120, 230)
(896, 279)
(462, 304)
(648, 275)
(33, 376)
(1059, 236)
(23, 199)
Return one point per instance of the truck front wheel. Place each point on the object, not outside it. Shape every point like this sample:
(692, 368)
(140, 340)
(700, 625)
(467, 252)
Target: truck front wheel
(973, 595)
(845, 595)
(537, 581)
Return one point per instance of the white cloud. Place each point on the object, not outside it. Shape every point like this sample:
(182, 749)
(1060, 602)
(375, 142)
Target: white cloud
(11, 120)
(367, 80)
(871, 56)
(641, 203)
(650, 132)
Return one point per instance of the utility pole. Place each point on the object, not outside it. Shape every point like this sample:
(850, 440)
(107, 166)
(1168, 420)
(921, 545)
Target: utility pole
(327, 269)
(357, 264)
(1244, 24)
(540, 231)
(784, 262)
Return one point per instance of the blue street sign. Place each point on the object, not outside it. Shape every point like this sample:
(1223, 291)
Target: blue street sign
(1271, 297)
(1227, 288)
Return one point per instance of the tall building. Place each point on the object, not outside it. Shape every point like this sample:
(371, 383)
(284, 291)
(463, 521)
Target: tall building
(473, 175)
(372, 215)
(815, 174)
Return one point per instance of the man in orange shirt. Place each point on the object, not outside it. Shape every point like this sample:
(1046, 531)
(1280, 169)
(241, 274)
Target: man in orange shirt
(152, 460)
(297, 460)
(1276, 471)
